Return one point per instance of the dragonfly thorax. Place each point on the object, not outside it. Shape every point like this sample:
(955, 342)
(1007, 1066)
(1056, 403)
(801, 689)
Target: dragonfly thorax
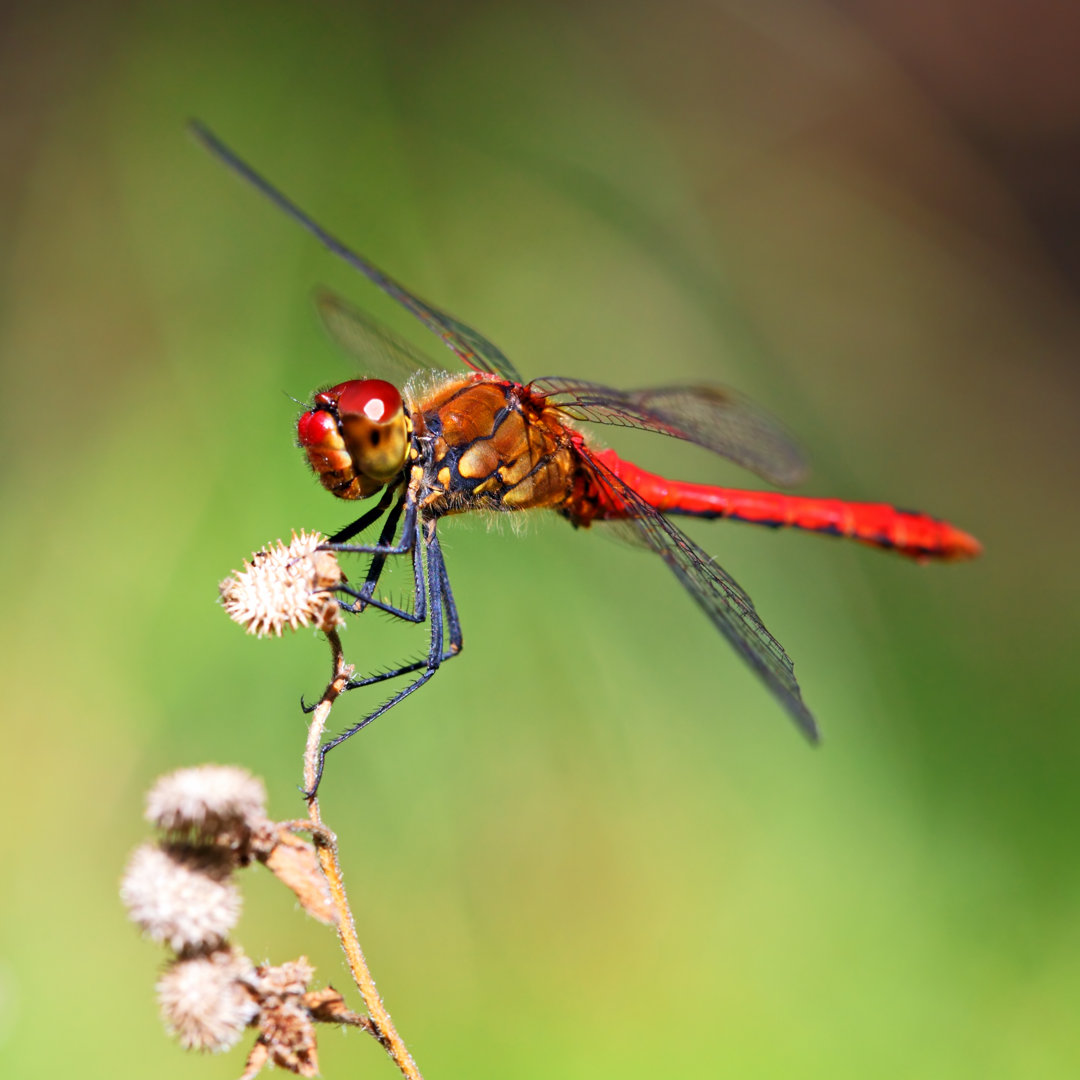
(356, 436)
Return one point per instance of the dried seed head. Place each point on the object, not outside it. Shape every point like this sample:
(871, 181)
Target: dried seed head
(285, 586)
(287, 980)
(286, 1028)
(180, 895)
(207, 800)
(205, 1001)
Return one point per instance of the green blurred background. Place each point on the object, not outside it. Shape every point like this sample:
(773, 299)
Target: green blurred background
(594, 846)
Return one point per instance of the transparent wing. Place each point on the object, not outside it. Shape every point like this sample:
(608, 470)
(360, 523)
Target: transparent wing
(380, 351)
(713, 417)
(721, 598)
(470, 346)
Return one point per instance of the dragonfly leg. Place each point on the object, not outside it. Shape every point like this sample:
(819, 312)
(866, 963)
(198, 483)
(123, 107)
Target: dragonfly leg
(441, 602)
(408, 501)
(365, 520)
(418, 614)
(364, 596)
(453, 622)
(452, 647)
(403, 545)
(385, 539)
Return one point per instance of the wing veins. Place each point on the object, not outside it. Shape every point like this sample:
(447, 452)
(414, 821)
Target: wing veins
(723, 600)
(717, 419)
(470, 345)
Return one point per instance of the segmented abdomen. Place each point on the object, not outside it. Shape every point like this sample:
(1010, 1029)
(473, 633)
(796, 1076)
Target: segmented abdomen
(907, 532)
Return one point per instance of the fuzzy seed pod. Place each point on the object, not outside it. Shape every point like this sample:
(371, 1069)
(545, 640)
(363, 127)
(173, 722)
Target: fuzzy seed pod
(207, 800)
(205, 1001)
(181, 896)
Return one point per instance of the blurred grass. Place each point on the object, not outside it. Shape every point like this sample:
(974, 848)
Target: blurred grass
(593, 845)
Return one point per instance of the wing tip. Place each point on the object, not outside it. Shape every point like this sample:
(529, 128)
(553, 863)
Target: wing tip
(806, 723)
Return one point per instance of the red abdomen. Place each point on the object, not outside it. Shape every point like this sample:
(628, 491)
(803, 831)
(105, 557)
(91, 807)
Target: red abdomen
(907, 532)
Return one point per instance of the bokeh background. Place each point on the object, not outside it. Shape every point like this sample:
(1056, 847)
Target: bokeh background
(594, 846)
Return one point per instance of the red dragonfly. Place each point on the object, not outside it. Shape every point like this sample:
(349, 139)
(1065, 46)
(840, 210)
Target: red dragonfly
(486, 440)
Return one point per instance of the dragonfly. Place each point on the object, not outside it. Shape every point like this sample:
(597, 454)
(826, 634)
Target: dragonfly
(427, 445)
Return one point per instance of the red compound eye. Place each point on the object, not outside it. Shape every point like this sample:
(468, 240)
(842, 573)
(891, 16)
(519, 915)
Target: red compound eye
(363, 421)
(316, 428)
(373, 399)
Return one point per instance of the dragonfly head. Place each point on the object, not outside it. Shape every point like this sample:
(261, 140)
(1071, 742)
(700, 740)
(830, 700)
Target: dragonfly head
(356, 436)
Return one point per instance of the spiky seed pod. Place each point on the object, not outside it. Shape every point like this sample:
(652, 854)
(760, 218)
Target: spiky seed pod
(205, 1000)
(285, 585)
(181, 895)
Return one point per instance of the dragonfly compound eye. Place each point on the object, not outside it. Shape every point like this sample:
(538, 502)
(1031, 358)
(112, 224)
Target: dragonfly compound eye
(318, 435)
(317, 430)
(371, 418)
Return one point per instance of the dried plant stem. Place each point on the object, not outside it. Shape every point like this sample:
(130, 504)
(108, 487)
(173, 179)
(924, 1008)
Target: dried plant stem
(383, 1027)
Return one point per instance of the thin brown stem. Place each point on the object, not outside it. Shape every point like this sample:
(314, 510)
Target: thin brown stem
(382, 1026)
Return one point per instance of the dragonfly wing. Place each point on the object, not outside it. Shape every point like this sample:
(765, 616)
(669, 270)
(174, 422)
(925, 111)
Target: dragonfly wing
(377, 347)
(471, 346)
(727, 605)
(713, 417)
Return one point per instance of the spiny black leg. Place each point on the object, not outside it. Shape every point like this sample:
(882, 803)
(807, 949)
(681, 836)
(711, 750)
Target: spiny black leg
(410, 541)
(408, 535)
(362, 522)
(364, 594)
(379, 551)
(456, 640)
(419, 612)
(385, 539)
(452, 648)
(382, 605)
(436, 577)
